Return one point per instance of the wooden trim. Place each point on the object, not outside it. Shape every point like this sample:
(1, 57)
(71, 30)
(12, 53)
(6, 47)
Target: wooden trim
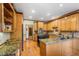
(8, 11)
(69, 31)
(2, 17)
(65, 15)
(19, 12)
(33, 20)
(12, 7)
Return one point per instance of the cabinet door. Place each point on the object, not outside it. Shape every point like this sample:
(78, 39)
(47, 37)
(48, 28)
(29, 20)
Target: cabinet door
(73, 22)
(58, 24)
(68, 24)
(53, 49)
(75, 47)
(40, 25)
(77, 22)
(0, 17)
(55, 23)
(35, 26)
(62, 24)
(49, 26)
(45, 26)
(67, 48)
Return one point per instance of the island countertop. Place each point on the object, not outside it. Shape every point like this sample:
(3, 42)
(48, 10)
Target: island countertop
(9, 47)
(58, 47)
(54, 40)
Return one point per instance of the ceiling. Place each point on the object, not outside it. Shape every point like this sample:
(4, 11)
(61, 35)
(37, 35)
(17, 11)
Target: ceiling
(44, 11)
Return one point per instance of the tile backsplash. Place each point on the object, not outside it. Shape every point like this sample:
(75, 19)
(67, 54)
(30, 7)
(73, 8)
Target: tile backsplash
(76, 34)
(4, 37)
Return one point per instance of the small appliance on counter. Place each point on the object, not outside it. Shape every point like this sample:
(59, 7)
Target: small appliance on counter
(8, 27)
(56, 30)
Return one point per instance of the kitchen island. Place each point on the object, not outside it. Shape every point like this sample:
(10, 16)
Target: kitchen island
(58, 47)
(10, 47)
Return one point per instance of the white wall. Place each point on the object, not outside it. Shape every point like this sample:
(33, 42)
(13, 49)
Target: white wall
(4, 37)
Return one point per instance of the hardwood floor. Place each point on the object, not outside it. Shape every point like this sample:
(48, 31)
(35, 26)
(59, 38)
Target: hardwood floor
(30, 48)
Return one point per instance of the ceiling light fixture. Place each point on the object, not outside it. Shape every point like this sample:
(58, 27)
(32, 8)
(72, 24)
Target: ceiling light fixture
(33, 11)
(30, 17)
(60, 5)
(48, 14)
(42, 18)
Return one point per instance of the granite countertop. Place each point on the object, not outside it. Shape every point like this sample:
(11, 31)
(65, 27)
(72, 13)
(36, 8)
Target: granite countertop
(9, 47)
(54, 40)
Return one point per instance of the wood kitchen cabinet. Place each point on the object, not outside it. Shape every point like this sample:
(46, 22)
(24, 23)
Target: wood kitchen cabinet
(55, 23)
(62, 24)
(35, 26)
(75, 43)
(0, 17)
(45, 26)
(75, 47)
(19, 25)
(77, 22)
(7, 17)
(52, 24)
(59, 24)
(53, 49)
(73, 24)
(40, 25)
(67, 48)
(49, 26)
(67, 24)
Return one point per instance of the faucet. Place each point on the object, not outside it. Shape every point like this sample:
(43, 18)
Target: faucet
(72, 34)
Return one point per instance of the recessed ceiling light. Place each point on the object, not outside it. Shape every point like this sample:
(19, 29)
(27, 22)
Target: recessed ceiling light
(30, 17)
(42, 18)
(33, 11)
(48, 14)
(60, 5)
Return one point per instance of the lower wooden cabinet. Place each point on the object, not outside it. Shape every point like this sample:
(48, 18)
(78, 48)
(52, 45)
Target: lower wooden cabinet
(53, 50)
(75, 47)
(69, 47)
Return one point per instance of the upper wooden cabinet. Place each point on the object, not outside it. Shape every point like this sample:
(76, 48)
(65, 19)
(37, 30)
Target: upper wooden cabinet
(69, 23)
(59, 24)
(62, 24)
(55, 23)
(40, 25)
(72, 22)
(45, 26)
(7, 18)
(77, 22)
(35, 26)
(49, 26)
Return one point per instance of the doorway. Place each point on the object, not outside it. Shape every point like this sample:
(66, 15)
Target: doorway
(30, 31)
